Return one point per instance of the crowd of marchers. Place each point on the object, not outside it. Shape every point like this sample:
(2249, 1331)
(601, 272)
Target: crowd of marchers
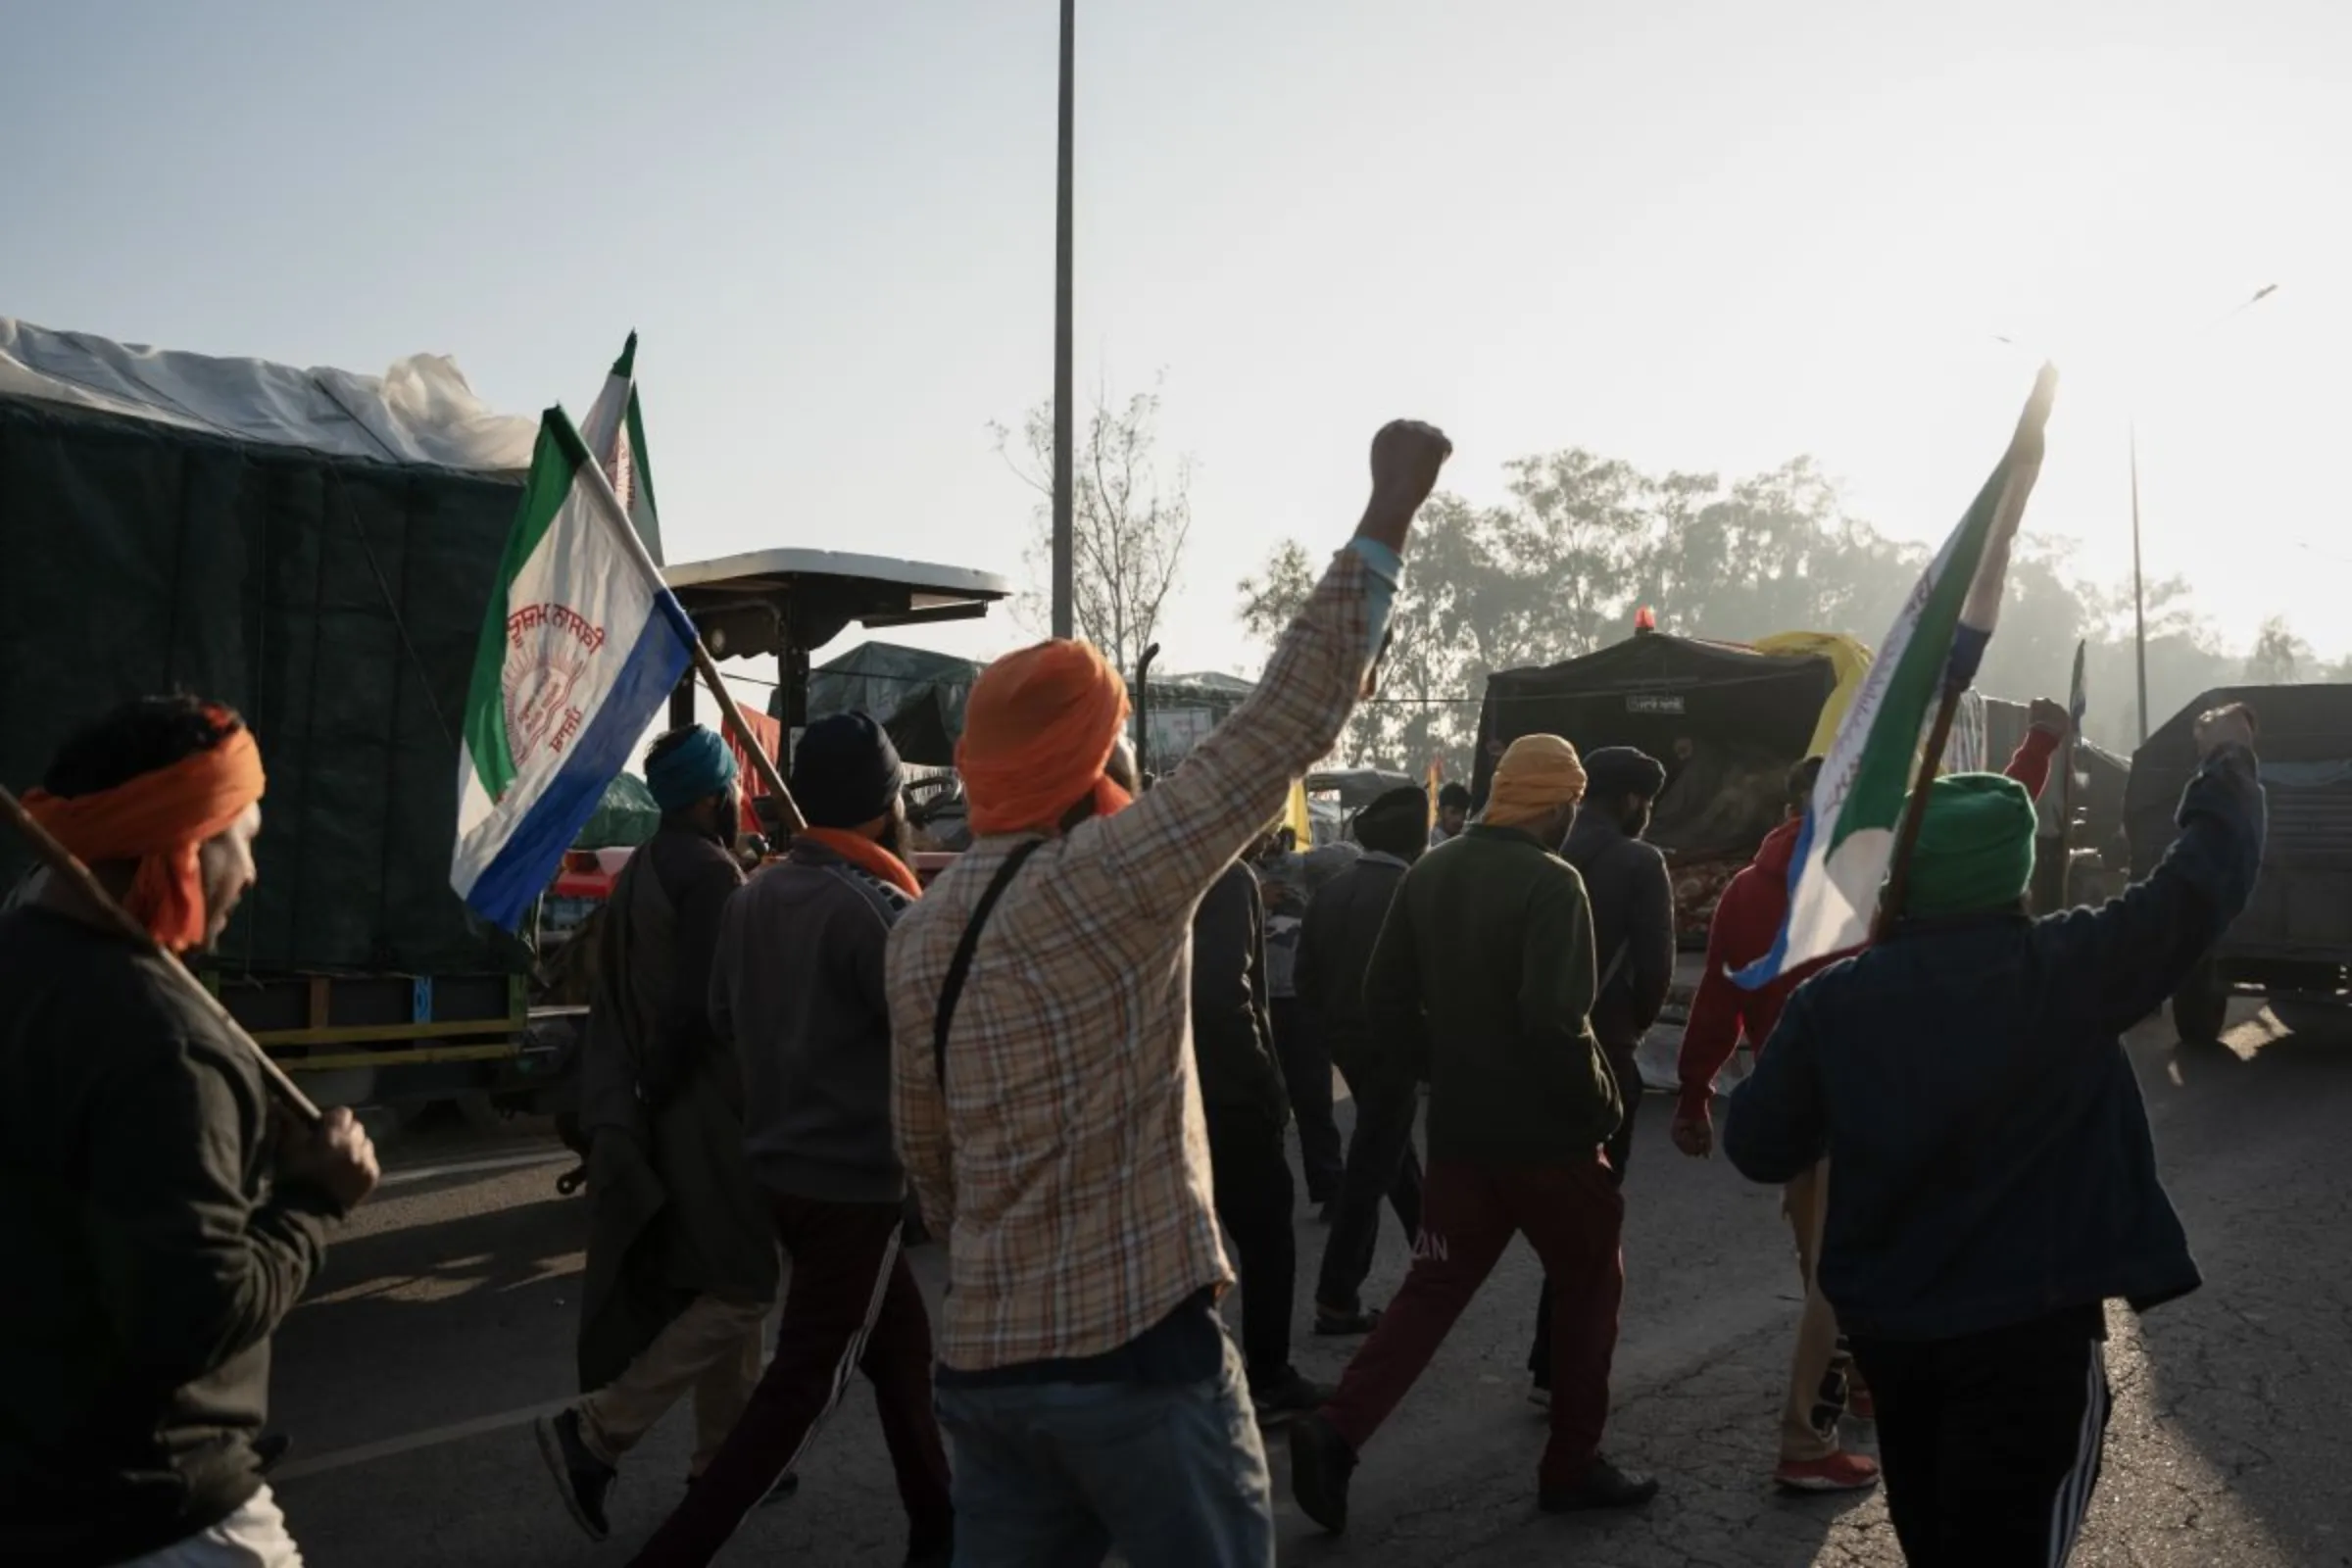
(1079, 1049)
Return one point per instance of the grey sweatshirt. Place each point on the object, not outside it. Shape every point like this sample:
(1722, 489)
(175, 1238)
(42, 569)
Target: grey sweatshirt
(797, 987)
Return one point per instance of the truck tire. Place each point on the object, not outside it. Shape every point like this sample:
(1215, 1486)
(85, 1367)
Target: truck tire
(2201, 1005)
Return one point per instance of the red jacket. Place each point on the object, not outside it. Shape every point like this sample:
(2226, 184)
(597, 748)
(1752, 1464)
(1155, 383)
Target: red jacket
(1747, 919)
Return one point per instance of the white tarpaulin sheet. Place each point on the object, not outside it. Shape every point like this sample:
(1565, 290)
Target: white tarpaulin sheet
(419, 411)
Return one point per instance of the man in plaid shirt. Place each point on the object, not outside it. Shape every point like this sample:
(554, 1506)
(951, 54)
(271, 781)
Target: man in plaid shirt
(1052, 1128)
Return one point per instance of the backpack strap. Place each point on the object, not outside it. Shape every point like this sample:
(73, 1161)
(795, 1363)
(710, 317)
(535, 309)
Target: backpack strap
(950, 990)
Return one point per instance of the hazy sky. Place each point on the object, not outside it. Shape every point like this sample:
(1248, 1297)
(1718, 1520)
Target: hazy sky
(1703, 235)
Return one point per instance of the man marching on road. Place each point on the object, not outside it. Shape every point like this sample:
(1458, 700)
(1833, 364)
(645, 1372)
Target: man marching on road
(1822, 1385)
(681, 1258)
(1298, 1044)
(1335, 951)
(159, 1219)
(1246, 1107)
(1997, 1180)
(797, 987)
(1632, 940)
(1483, 978)
(1047, 1105)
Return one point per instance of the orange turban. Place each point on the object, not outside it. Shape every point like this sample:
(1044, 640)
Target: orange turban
(160, 820)
(1537, 775)
(1038, 729)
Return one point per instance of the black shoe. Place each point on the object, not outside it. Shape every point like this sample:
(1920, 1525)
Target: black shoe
(1288, 1398)
(1332, 1325)
(787, 1488)
(269, 1449)
(1321, 1463)
(581, 1478)
(1601, 1485)
(932, 1551)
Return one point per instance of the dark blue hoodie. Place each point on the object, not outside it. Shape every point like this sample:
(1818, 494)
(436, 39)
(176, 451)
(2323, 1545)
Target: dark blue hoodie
(1989, 1154)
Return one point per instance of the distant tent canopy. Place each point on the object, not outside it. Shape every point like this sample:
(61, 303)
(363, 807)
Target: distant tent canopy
(1180, 712)
(1358, 787)
(624, 818)
(1726, 721)
(919, 697)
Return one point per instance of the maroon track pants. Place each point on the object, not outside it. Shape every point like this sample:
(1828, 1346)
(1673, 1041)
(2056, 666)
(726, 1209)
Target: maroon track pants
(1573, 1217)
(851, 1306)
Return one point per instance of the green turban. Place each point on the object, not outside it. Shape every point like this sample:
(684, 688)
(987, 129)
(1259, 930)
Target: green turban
(1976, 845)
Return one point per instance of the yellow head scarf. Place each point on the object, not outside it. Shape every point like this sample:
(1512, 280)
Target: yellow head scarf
(1537, 776)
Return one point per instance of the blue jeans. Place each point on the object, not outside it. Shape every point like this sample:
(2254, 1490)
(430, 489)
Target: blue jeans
(1054, 1475)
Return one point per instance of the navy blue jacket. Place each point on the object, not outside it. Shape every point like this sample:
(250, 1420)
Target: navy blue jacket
(1950, 1216)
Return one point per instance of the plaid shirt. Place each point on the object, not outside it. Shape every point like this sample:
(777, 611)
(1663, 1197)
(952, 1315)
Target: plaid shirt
(1068, 1166)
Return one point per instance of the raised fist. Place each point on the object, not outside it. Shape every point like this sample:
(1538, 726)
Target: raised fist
(1406, 456)
(2218, 727)
(2050, 716)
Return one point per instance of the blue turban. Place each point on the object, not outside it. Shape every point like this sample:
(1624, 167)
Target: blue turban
(693, 767)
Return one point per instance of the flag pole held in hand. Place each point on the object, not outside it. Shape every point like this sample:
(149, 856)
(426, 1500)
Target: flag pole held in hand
(2019, 466)
(599, 490)
(1861, 824)
(65, 866)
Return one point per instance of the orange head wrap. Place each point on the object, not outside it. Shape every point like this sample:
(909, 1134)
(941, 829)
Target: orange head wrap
(1537, 776)
(1038, 729)
(160, 820)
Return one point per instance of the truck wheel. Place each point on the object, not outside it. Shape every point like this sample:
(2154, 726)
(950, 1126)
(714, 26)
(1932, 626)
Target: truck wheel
(2201, 1004)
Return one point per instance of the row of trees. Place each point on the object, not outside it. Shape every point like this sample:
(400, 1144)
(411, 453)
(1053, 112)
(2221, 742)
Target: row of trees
(1558, 568)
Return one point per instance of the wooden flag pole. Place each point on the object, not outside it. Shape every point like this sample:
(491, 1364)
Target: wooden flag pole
(788, 809)
(1914, 811)
(65, 866)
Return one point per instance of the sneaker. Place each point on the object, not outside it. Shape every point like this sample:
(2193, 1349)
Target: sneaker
(1601, 1485)
(1291, 1397)
(1836, 1472)
(582, 1480)
(1355, 1321)
(935, 1548)
(1860, 1407)
(1321, 1463)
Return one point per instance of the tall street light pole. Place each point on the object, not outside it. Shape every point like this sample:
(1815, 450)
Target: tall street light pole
(1062, 547)
(2139, 595)
(2139, 592)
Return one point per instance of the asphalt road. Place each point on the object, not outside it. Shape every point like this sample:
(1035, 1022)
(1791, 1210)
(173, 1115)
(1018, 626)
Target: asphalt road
(445, 1318)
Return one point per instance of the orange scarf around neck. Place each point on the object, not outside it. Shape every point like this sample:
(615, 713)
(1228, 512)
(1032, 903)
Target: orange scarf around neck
(865, 854)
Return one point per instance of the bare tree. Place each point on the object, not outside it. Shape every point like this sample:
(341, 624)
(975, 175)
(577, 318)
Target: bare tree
(1129, 521)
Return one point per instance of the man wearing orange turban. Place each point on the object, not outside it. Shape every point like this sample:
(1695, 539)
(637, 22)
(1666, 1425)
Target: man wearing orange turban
(1048, 1104)
(183, 832)
(196, 1222)
(1482, 983)
(1038, 732)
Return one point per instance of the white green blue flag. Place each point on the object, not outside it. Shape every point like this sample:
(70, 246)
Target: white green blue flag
(1936, 642)
(615, 430)
(582, 645)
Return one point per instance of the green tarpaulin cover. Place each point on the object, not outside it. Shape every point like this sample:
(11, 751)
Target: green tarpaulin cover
(334, 601)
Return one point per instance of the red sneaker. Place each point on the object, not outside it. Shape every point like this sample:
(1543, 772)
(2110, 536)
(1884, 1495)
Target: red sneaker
(1839, 1472)
(1860, 1407)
